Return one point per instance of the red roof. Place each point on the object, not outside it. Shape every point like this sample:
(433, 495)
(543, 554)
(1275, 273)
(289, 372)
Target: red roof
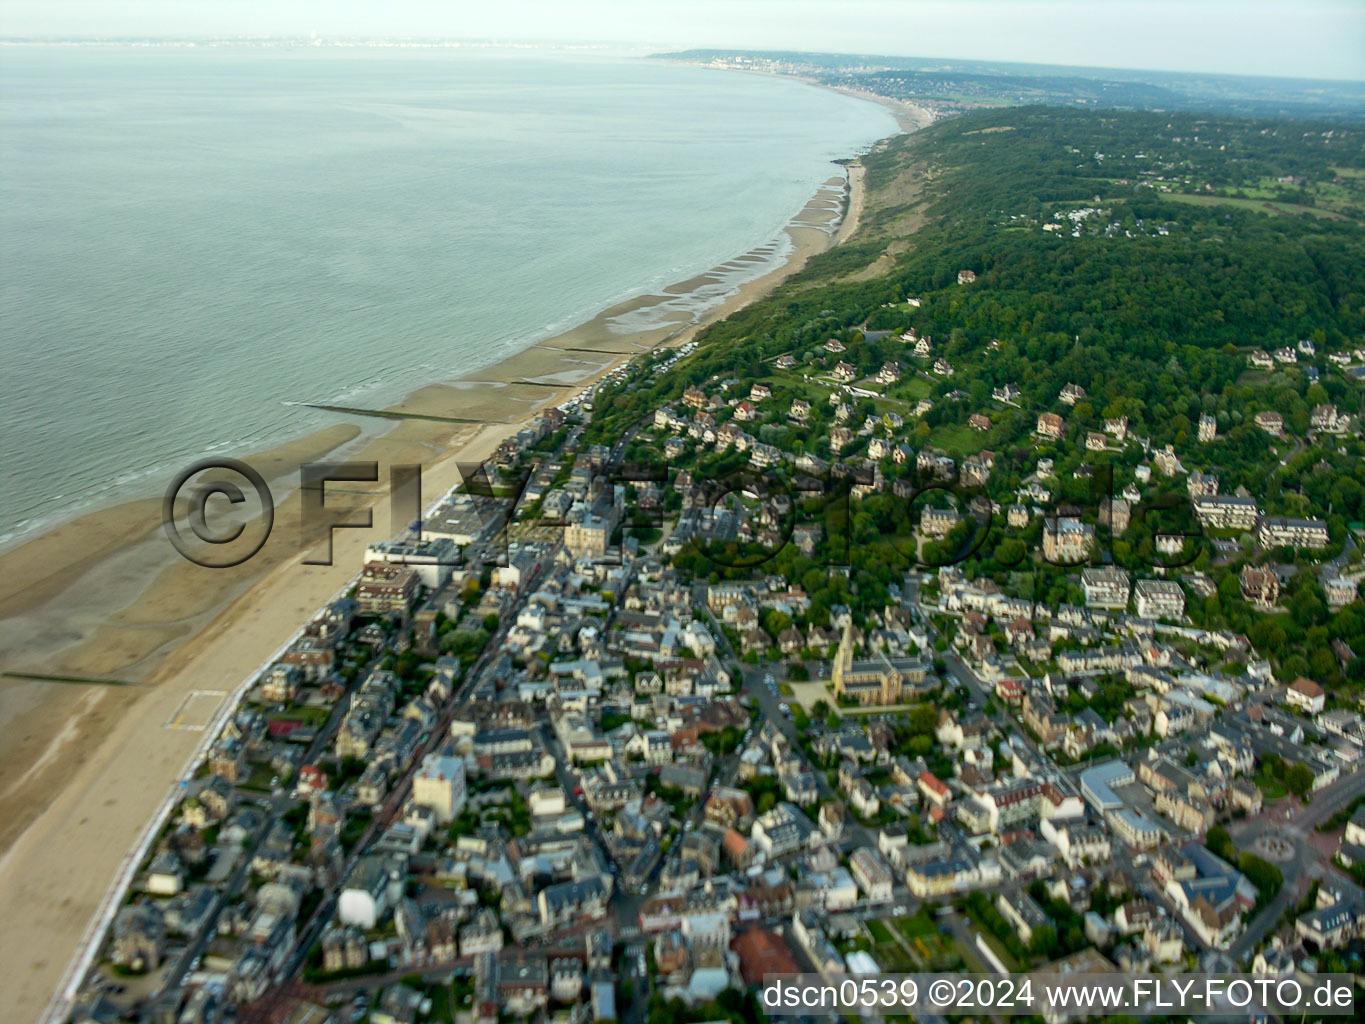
(734, 843)
(932, 782)
(1306, 687)
(762, 953)
(313, 776)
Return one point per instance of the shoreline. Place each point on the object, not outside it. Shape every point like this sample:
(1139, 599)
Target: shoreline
(910, 116)
(102, 761)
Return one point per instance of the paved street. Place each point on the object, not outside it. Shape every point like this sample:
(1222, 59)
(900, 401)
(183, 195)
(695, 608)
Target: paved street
(1306, 863)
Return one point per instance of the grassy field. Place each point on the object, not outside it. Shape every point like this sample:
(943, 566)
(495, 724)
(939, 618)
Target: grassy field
(1343, 196)
(314, 717)
(880, 933)
(1257, 205)
(892, 957)
(916, 927)
(958, 439)
(788, 385)
(259, 779)
(910, 388)
(1340, 199)
(1255, 379)
(1271, 789)
(932, 950)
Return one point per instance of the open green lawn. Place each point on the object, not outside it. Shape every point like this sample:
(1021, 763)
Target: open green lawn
(1271, 789)
(958, 439)
(914, 927)
(259, 778)
(932, 950)
(788, 385)
(910, 388)
(880, 933)
(1257, 205)
(1255, 379)
(1339, 199)
(309, 716)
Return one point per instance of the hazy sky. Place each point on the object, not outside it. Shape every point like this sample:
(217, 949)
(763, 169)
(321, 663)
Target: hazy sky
(1305, 38)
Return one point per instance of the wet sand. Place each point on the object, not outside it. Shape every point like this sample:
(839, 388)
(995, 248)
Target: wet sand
(87, 768)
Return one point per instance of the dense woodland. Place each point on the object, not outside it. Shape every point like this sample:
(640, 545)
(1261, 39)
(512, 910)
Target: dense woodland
(1147, 299)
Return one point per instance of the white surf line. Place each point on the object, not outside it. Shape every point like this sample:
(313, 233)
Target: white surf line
(63, 1000)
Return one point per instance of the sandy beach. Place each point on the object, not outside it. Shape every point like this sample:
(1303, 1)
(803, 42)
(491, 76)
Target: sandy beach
(86, 767)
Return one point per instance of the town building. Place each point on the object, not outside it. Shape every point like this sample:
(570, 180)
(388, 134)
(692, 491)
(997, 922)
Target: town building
(1224, 512)
(876, 680)
(1105, 587)
(440, 785)
(1067, 540)
(1050, 425)
(386, 588)
(1305, 695)
(1158, 599)
(1260, 586)
(1281, 531)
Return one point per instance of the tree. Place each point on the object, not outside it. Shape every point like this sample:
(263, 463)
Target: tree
(920, 745)
(1044, 942)
(1299, 779)
(1219, 842)
(1263, 875)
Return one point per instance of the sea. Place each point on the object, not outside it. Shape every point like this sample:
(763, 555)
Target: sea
(196, 239)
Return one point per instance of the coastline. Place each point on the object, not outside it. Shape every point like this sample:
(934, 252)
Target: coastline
(910, 117)
(89, 767)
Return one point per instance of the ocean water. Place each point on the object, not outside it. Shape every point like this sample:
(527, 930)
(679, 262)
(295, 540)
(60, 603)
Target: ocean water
(193, 239)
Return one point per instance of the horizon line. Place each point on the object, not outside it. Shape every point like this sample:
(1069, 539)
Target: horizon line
(646, 50)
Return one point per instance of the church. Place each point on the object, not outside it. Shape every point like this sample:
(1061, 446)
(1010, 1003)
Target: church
(878, 679)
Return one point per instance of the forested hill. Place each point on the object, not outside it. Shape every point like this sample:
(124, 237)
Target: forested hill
(1100, 239)
(1144, 257)
(964, 84)
(1137, 231)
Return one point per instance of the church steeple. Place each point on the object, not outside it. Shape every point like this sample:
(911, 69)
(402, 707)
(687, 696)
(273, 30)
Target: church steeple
(843, 659)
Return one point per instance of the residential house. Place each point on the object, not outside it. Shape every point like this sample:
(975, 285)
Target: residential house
(1051, 425)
